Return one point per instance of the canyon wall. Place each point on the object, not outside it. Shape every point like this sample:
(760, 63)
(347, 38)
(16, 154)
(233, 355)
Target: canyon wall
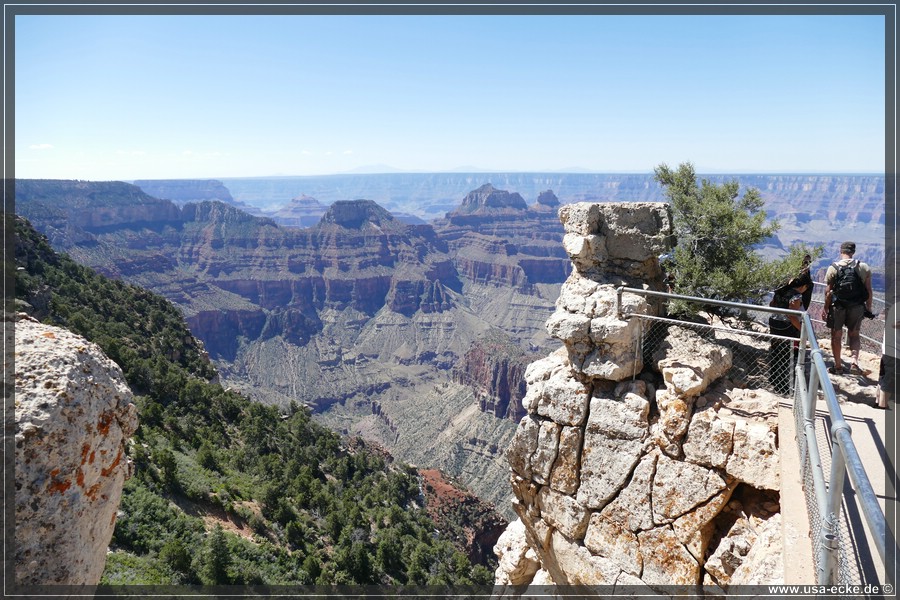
(362, 317)
(495, 238)
(636, 469)
(818, 208)
(494, 368)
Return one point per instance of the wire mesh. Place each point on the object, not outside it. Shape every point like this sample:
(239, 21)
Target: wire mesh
(761, 360)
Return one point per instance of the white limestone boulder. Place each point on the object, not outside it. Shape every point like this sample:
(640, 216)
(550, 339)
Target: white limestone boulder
(517, 561)
(689, 363)
(74, 417)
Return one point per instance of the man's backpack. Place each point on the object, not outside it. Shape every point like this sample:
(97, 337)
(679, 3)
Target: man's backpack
(848, 287)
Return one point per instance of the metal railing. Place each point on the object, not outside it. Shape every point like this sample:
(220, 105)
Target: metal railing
(809, 379)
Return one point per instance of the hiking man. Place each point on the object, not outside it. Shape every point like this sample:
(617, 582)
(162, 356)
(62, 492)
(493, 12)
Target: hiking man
(848, 297)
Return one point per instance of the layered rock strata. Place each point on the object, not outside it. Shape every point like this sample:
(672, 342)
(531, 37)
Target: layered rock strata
(494, 369)
(495, 238)
(302, 211)
(635, 466)
(74, 416)
(361, 308)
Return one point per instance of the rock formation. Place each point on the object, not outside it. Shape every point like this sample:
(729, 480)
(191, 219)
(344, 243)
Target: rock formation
(73, 419)
(362, 317)
(488, 200)
(812, 208)
(183, 191)
(634, 465)
(494, 368)
(302, 211)
(495, 238)
(547, 200)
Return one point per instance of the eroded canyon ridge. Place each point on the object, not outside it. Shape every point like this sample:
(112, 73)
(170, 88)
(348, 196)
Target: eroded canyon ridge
(412, 334)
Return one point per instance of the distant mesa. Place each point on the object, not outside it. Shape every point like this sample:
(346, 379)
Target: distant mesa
(302, 211)
(547, 199)
(353, 214)
(307, 202)
(489, 200)
(184, 191)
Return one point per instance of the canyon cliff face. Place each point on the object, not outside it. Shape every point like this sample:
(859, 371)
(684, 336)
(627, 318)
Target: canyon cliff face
(75, 212)
(496, 238)
(494, 369)
(185, 191)
(74, 417)
(362, 317)
(812, 208)
(637, 468)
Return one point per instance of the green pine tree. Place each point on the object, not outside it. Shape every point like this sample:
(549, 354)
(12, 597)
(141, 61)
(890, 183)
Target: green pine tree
(716, 232)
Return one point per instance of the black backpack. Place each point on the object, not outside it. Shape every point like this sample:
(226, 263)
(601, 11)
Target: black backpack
(781, 297)
(848, 287)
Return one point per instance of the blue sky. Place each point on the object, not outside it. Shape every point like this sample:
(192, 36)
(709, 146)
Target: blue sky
(135, 97)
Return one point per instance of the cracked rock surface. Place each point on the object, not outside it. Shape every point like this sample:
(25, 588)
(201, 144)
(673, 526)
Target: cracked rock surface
(638, 468)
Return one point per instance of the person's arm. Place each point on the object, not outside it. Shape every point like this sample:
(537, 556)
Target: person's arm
(796, 304)
(830, 275)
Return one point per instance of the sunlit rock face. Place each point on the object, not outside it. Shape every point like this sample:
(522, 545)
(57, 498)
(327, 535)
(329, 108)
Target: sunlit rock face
(496, 238)
(74, 416)
(634, 468)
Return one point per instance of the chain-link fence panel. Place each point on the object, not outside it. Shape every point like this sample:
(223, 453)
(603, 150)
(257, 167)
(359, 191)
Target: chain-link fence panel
(763, 360)
(759, 359)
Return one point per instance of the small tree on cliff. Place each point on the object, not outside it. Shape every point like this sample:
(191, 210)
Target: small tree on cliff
(716, 232)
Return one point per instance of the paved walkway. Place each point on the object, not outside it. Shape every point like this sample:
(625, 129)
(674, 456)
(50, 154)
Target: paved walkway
(868, 426)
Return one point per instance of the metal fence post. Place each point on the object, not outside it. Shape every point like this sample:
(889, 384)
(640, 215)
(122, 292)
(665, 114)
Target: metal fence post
(830, 547)
(619, 301)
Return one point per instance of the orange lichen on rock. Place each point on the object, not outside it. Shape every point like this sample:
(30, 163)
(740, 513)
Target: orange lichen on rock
(105, 472)
(104, 423)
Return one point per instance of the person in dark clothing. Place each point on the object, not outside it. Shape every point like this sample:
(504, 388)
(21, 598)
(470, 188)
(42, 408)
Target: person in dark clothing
(781, 358)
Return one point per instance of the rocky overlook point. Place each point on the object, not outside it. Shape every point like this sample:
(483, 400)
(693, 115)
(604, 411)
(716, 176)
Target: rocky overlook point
(634, 470)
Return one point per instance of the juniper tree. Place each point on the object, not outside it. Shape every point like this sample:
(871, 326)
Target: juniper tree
(716, 232)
